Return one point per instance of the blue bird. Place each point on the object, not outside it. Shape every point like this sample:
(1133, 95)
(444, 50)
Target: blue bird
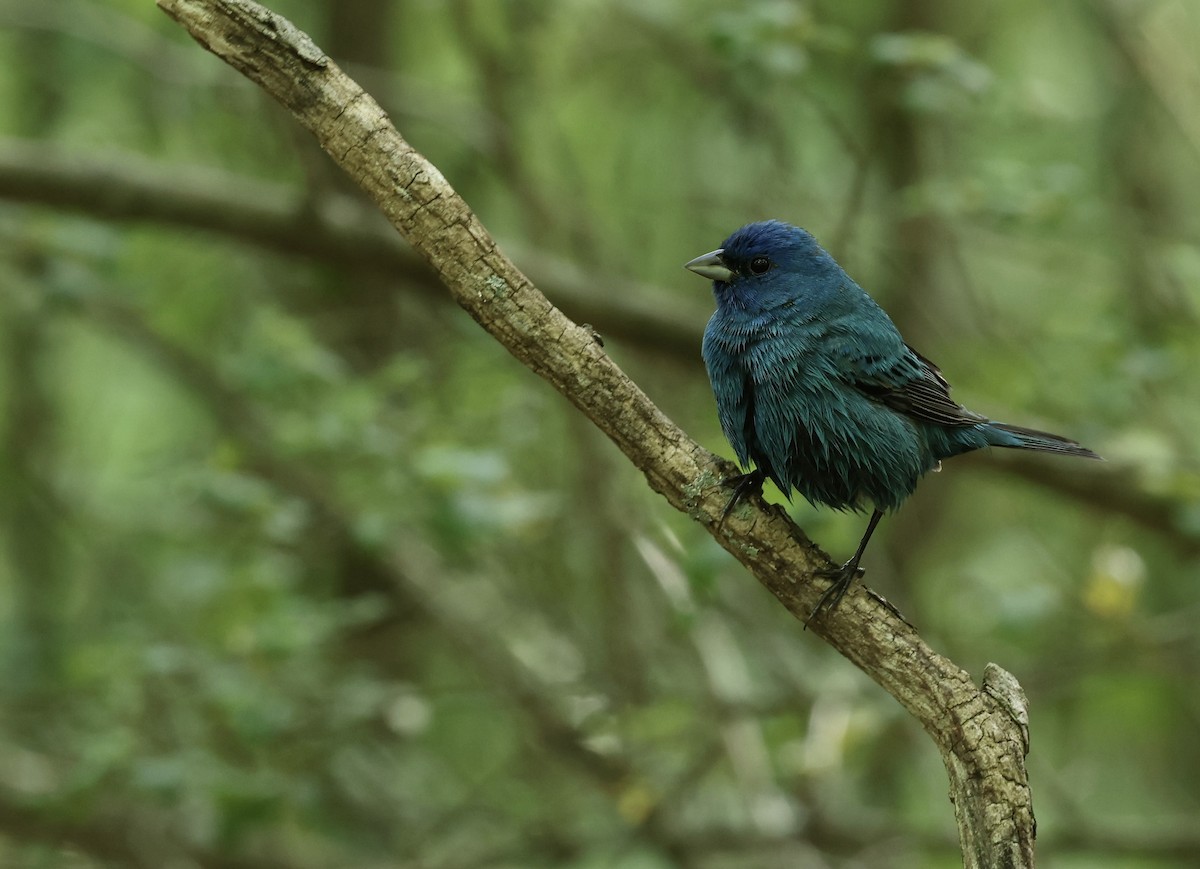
(817, 390)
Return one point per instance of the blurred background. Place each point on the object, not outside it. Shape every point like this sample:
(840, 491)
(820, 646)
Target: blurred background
(299, 569)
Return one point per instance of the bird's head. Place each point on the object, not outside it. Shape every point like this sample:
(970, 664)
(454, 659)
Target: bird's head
(766, 264)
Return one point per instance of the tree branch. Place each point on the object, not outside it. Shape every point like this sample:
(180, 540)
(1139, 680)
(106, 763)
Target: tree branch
(979, 732)
(333, 229)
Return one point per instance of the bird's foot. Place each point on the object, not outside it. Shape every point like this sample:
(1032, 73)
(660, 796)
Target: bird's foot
(842, 578)
(743, 485)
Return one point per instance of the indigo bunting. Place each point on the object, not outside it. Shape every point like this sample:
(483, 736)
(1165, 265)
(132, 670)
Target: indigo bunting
(817, 390)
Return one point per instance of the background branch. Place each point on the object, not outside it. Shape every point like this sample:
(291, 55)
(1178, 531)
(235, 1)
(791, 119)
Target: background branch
(332, 228)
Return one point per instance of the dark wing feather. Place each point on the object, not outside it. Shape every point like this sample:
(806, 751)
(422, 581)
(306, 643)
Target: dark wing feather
(911, 385)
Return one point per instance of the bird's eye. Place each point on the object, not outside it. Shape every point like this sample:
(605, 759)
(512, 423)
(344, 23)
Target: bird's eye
(759, 265)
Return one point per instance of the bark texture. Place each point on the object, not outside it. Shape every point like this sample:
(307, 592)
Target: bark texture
(982, 733)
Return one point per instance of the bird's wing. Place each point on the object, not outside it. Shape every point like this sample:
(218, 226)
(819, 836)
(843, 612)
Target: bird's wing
(909, 383)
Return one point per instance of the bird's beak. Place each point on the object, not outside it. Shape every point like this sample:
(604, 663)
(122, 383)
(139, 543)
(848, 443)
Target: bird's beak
(710, 266)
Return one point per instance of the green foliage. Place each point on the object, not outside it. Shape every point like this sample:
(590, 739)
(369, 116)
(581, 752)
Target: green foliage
(297, 568)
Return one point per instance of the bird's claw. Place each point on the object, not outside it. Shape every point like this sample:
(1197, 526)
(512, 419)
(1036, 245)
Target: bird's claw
(842, 578)
(743, 485)
(847, 571)
(890, 607)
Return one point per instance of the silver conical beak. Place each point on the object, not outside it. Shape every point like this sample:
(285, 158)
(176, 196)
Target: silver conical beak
(710, 266)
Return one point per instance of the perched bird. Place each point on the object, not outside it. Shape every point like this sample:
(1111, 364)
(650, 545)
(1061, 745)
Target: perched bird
(817, 391)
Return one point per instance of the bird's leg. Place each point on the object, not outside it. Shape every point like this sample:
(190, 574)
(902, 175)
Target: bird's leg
(744, 485)
(843, 577)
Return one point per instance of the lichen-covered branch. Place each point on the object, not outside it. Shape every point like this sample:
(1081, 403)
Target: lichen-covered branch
(980, 733)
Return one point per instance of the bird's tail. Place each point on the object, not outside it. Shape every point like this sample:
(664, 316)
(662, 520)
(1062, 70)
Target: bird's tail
(1016, 437)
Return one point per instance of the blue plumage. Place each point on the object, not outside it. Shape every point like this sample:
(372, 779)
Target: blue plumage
(816, 389)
